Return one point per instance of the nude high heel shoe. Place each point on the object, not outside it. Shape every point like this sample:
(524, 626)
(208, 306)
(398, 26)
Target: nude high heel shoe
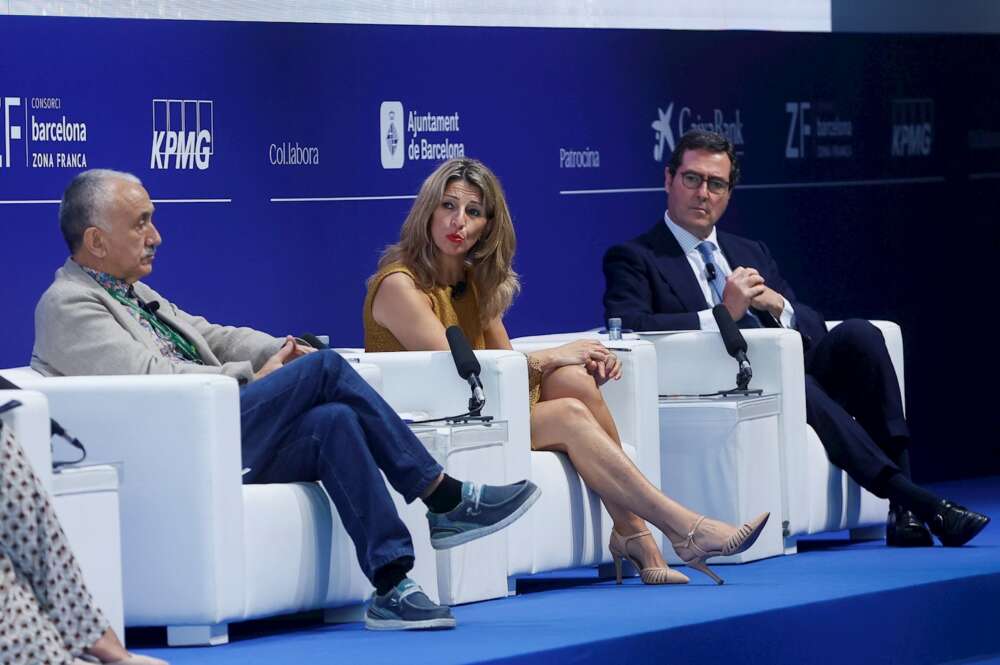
(741, 539)
(619, 551)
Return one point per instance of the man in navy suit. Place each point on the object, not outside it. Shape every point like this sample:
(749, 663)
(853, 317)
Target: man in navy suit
(670, 277)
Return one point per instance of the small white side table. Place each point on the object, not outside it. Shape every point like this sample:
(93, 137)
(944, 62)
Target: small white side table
(86, 501)
(470, 451)
(719, 456)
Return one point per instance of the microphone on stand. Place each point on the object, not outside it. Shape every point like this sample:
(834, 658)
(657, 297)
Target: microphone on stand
(468, 367)
(736, 345)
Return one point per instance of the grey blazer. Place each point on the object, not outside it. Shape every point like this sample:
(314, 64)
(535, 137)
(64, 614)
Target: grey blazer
(80, 329)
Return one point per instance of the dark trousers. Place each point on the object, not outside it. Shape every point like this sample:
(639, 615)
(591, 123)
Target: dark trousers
(317, 419)
(854, 404)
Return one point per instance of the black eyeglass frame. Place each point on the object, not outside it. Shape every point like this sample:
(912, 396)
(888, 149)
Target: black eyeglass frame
(717, 186)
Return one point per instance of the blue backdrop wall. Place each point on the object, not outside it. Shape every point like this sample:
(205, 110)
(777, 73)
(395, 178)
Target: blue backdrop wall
(282, 157)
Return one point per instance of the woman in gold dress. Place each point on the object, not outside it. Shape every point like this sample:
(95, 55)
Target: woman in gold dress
(453, 265)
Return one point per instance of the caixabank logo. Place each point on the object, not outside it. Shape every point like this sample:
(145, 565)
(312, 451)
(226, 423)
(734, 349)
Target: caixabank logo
(417, 135)
(667, 128)
(183, 134)
(39, 130)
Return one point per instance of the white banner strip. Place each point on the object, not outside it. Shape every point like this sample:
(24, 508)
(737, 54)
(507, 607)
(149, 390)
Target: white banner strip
(192, 200)
(325, 199)
(28, 202)
(777, 185)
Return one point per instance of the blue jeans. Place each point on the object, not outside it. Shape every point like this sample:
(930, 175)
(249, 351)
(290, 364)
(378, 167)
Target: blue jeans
(317, 419)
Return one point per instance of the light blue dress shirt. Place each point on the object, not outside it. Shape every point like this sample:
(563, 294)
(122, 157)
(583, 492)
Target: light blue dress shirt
(689, 245)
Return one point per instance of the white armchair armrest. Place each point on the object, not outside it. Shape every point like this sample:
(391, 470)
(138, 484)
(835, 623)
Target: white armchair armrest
(894, 344)
(632, 400)
(30, 425)
(178, 440)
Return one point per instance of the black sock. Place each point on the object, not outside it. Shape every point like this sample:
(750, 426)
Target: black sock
(445, 496)
(902, 492)
(391, 574)
(902, 460)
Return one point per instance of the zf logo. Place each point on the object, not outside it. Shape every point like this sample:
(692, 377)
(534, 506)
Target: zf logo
(798, 129)
(912, 127)
(182, 134)
(11, 132)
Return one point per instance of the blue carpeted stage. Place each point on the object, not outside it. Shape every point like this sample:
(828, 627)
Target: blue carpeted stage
(833, 602)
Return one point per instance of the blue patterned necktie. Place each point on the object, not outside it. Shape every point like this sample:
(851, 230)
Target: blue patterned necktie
(713, 273)
(717, 281)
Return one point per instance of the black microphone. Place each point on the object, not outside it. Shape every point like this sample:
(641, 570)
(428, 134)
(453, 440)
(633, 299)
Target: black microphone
(736, 346)
(149, 307)
(313, 341)
(458, 289)
(710, 271)
(467, 365)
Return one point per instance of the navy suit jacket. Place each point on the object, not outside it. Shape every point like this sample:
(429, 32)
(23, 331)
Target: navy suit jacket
(650, 284)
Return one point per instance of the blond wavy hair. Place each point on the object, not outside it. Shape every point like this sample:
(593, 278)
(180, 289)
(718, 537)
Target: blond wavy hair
(490, 260)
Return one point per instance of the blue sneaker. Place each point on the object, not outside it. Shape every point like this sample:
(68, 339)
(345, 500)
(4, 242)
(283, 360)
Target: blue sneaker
(406, 607)
(484, 509)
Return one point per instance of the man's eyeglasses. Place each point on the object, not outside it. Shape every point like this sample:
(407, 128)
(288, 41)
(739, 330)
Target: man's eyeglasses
(693, 180)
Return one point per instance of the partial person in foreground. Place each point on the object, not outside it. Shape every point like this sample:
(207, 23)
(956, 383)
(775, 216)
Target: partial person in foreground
(670, 277)
(49, 616)
(453, 265)
(304, 414)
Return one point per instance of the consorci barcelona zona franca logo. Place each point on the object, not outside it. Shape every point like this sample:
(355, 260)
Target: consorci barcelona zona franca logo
(42, 132)
(417, 135)
(183, 134)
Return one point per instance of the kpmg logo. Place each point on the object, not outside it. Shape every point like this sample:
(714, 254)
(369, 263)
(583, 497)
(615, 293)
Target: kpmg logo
(396, 147)
(391, 135)
(665, 129)
(183, 133)
(912, 127)
(39, 128)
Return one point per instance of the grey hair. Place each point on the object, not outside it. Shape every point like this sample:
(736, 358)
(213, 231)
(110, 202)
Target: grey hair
(84, 202)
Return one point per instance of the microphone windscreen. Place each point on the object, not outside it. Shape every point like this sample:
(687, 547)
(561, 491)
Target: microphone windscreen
(731, 335)
(153, 307)
(465, 360)
(313, 341)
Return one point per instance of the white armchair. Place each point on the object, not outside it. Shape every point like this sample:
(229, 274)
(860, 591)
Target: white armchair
(200, 549)
(85, 501)
(570, 525)
(816, 496)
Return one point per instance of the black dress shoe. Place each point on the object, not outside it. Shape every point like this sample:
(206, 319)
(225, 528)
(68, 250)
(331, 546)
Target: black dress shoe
(955, 525)
(904, 529)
